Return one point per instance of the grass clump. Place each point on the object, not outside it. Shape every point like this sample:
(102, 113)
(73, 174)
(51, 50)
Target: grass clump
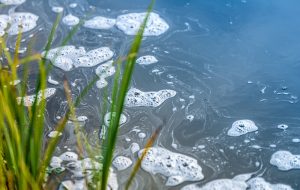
(24, 155)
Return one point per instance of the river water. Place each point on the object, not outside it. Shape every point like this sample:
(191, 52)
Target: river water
(227, 60)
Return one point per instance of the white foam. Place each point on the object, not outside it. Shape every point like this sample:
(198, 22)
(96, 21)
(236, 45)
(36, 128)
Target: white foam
(29, 100)
(285, 160)
(136, 97)
(56, 162)
(282, 126)
(242, 127)
(73, 5)
(131, 22)
(52, 81)
(53, 134)
(70, 20)
(82, 118)
(107, 116)
(121, 163)
(134, 147)
(3, 23)
(296, 140)
(57, 9)
(178, 168)
(146, 60)
(142, 135)
(240, 182)
(27, 21)
(67, 57)
(103, 71)
(100, 22)
(12, 2)
(94, 57)
(259, 183)
(69, 156)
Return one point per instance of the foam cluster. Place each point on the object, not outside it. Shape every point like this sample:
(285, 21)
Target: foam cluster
(285, 160)
(12, 2)
(178, 168)
(107, 117)
(100, 22)
(240, 182)
(70, 20)
(17, 22)
(121, 163)
(68, 57)
(57, 9)
(103, 71)
(29, 100)
(242, 127)
(146, 60)
(136, 97)
(131, 22)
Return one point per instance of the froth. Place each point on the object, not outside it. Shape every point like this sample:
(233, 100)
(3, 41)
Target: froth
(285, 160)
(100, 22)
(242, 127)
(146, 60)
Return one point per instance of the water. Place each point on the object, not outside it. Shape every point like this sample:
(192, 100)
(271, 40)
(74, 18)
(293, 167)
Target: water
(227, 60)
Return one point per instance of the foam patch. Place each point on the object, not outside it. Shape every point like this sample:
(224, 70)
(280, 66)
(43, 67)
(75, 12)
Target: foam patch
(136, 97)
(68, 57)
(146, 60)
(68, 156)
(99, 22)
(70, 20)
(27, 21)
(12, 2)
(131, 22)
(53, 134)
(3, 24)
(121, 163)
(103, 71)
(57, 9)
(240, 182)
(29, 100)
(178, 168)
(242, 127)
(285, 160)
(107, 116)
(94, 57)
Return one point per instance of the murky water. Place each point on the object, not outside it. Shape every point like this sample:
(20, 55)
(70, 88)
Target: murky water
(227, 61)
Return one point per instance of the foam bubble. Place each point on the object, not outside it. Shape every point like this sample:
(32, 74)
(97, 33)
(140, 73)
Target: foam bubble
(146, 60)
(240, 182)
(103, 71)
(282, 126)
(27, 21)
(69, 156)
(94, 57)
(100, 22)
(57, 9)
(296, 140)
(55, 162)
(242, 127)
(178, 168)
(53, 134)
(107, 116)
(121, 163)
(70, 20)
(285, 160)
(3, 24)
(142, 135)
(51, 81)
(259, 183)
(73, 5)
(82, 118)
(134, 147)
(131, 22)
(29, 100)
(136, 97)
(12, 2)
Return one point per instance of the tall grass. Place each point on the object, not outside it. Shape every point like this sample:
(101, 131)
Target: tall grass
(24, 156)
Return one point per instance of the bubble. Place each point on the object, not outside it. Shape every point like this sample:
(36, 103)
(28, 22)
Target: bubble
(242, 127)
(134, 147)
(177, 167)
(100, 23)
(57, 9)
(142, 135)
(282, 126)
(131, 22)
(190, 117)
(146, 60)
(285, 160)
(136, 97)
(107, 117)
(121, 163)
(51, 81)
(53, 134)
(70, 20)
(82, 118)
(12, 2)
(29, 100)
(69, 156)
(24, 20)
(73, 5)
(296, 140)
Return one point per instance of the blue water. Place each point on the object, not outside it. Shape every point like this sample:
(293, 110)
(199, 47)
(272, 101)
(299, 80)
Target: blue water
(240, 59)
